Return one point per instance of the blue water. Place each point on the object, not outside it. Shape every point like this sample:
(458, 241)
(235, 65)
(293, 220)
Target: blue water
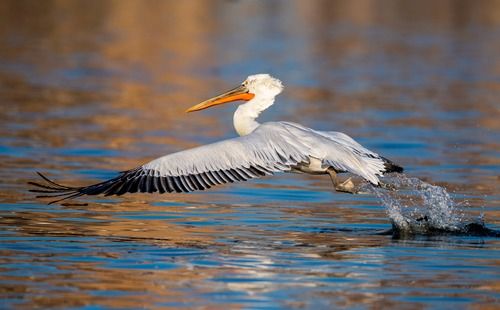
(88, 90)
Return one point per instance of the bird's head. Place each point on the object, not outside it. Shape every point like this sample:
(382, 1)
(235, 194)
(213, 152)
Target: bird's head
(258, 85)
(263, 85)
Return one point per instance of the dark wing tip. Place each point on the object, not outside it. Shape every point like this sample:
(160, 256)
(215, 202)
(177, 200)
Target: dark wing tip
(54, 190)
(51, 189)
(146, 181)
(391, 167)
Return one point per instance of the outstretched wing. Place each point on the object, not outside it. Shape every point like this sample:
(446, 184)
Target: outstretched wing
(270, 148)
(343, 153)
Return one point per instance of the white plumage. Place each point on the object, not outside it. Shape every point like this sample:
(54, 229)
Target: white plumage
(275, 146)
(261, 149)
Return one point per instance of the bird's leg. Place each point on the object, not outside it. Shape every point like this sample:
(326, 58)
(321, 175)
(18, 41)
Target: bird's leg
(347, 186)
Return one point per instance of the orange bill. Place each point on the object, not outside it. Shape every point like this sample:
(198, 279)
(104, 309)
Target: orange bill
(238, 93)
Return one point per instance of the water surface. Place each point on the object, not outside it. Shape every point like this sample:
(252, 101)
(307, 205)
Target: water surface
(88, 88)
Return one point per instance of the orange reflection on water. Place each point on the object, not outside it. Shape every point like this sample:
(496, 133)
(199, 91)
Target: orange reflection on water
(92, 87)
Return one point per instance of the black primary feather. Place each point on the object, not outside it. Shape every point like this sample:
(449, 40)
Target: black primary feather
(144, 181)
(391, 167)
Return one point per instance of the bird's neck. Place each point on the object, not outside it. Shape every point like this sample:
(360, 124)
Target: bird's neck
(244, 119)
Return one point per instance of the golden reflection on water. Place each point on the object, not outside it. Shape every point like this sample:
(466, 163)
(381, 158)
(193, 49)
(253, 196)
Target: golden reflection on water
(89, 87)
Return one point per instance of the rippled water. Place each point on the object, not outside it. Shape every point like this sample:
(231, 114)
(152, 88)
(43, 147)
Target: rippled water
(90, 88)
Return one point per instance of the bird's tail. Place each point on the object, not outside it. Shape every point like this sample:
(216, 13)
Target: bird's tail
(391, 167)
(54, 190)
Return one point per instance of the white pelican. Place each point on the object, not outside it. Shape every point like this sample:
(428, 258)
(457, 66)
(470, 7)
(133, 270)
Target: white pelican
(260, 150)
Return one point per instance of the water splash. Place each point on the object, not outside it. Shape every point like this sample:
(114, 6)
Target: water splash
(417, 207)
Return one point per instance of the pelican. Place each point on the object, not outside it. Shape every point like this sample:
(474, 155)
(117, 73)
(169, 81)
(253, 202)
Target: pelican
(260, 150)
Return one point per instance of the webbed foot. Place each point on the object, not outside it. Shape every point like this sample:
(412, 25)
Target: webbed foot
(347, 187)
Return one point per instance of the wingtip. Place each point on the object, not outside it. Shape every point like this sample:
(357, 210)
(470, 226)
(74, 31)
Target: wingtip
(53, 189)
(392, 167)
